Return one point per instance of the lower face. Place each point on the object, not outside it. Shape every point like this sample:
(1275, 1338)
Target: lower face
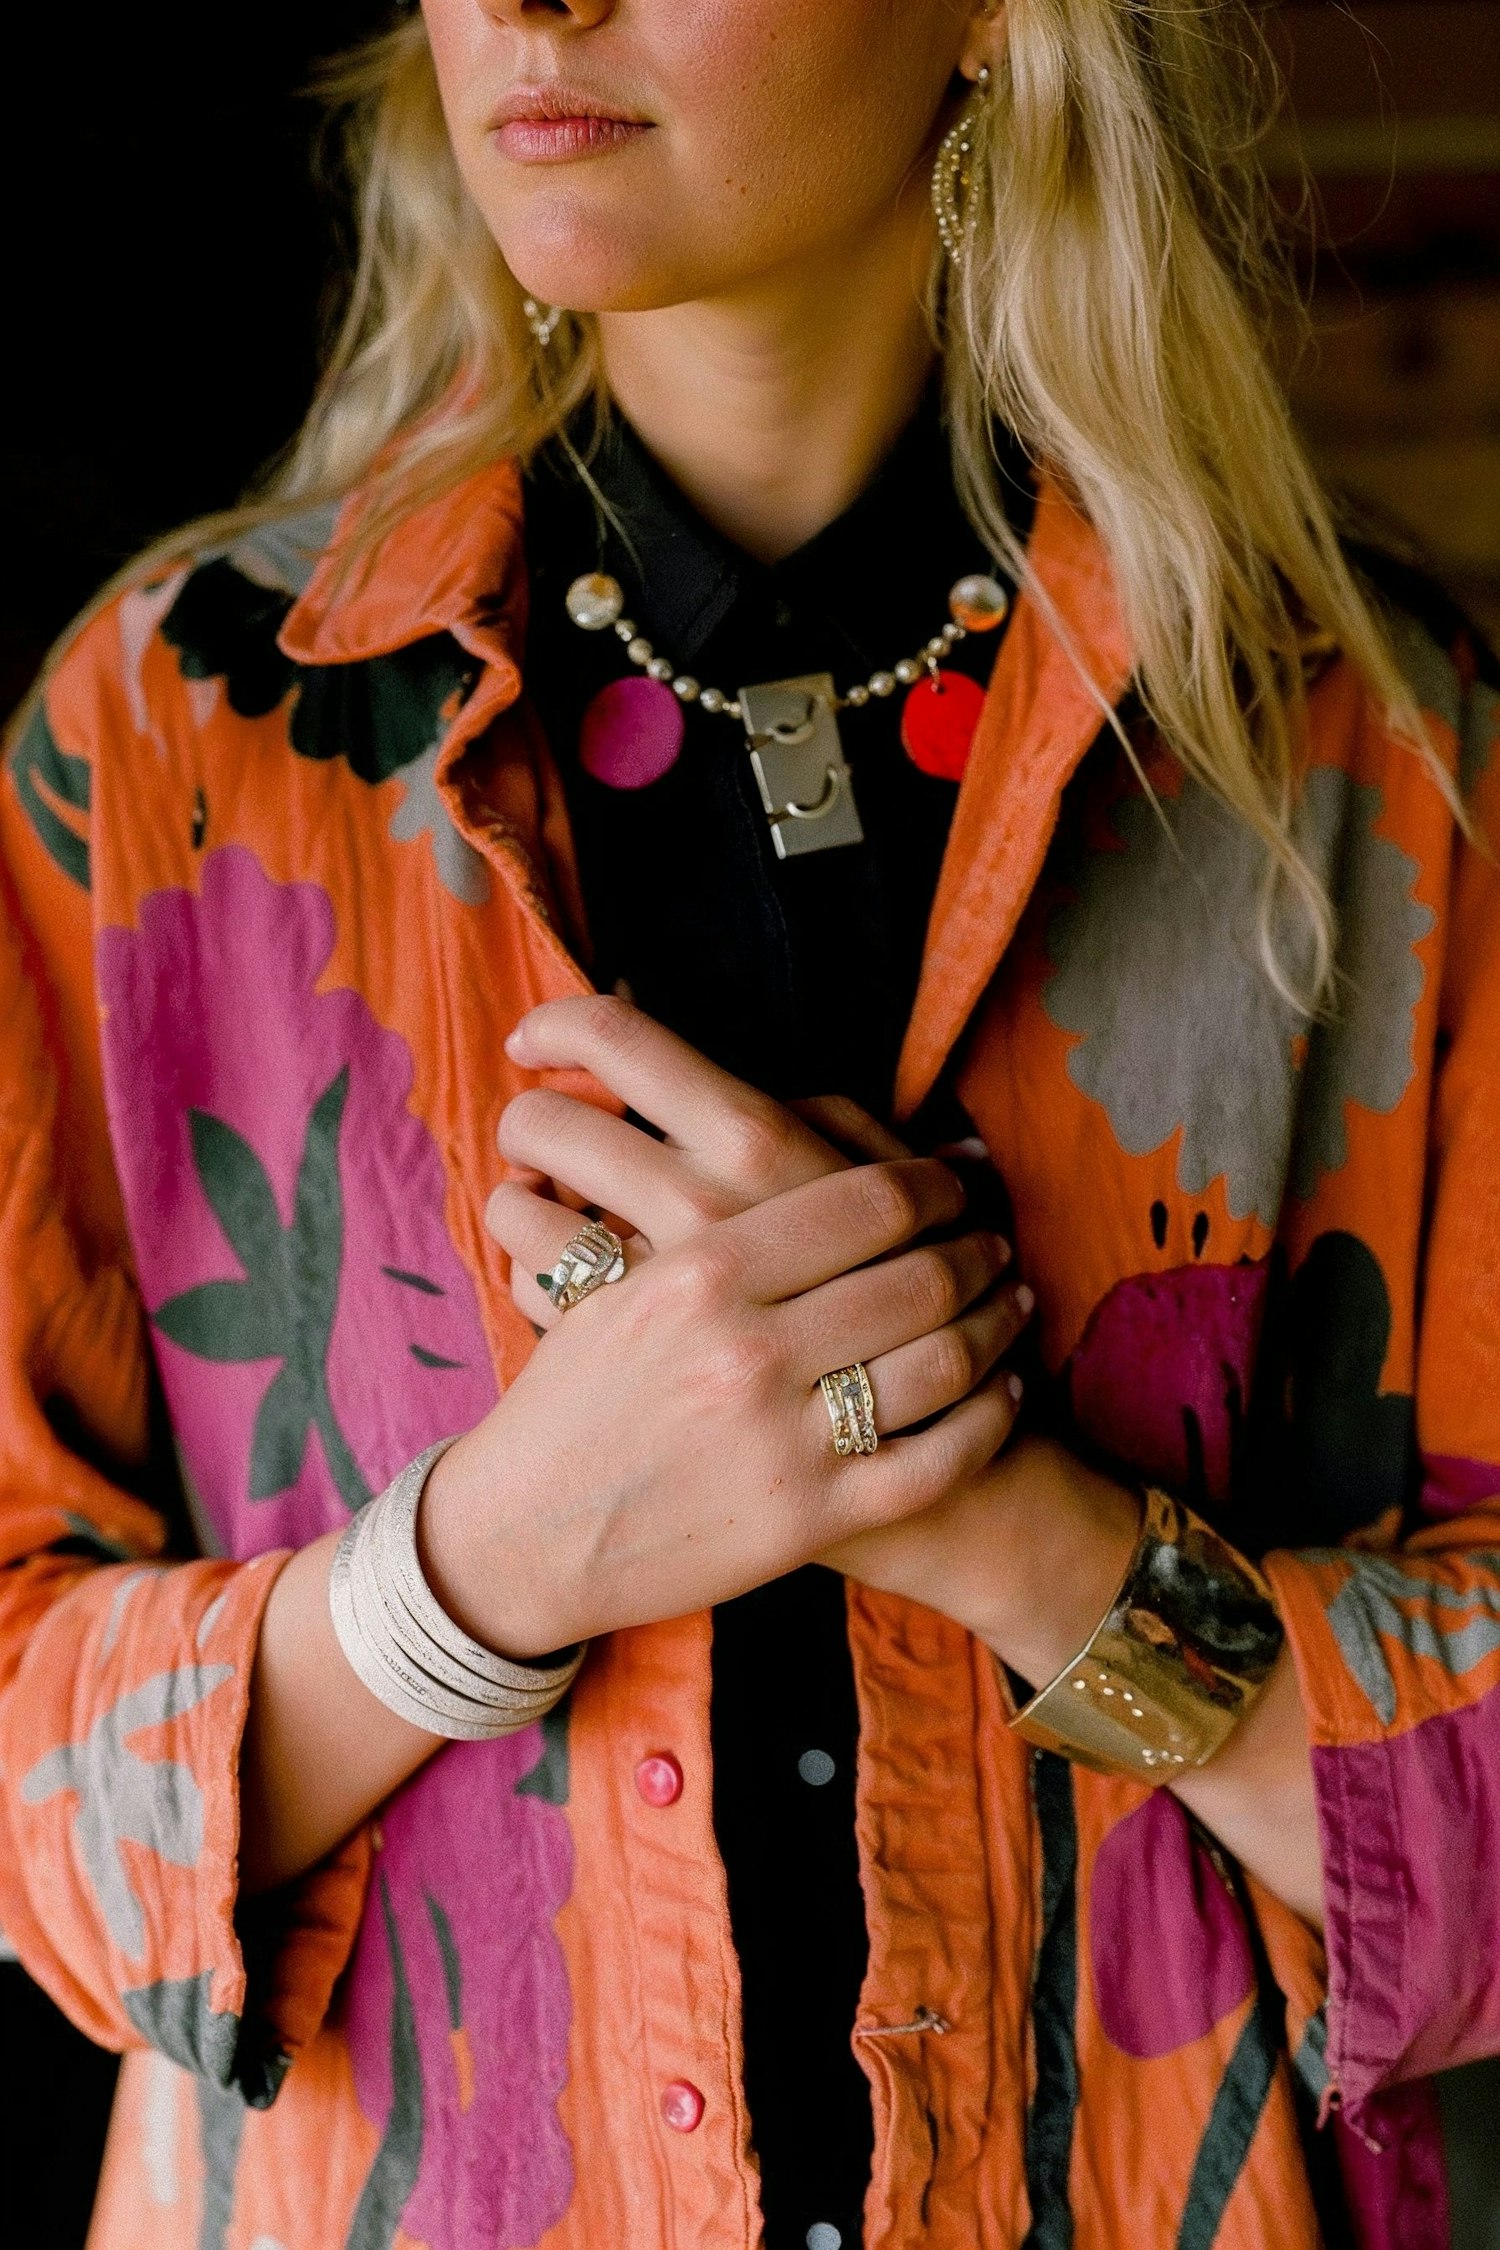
(694, 147)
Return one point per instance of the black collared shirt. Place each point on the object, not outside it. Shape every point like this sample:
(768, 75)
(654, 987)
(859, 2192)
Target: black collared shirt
(798, 975)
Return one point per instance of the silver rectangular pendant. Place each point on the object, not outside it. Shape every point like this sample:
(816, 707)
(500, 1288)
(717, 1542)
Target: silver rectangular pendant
(800, 769)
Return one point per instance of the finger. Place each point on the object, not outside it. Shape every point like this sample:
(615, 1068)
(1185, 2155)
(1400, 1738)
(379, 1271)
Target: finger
(740, 1133)
(850, 1129)
(862, 1315)
(915, 1471)
(535, 1233)
(810, 1234)
(925, 1378)
(611, 1165)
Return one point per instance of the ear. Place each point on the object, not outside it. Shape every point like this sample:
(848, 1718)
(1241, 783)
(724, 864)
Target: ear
(984, 40)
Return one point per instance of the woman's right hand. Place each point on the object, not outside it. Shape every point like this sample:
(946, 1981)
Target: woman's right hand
(668, 1446)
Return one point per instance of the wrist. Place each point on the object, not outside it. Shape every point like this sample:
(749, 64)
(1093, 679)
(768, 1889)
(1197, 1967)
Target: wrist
(488, 1585)
(1063, 1541)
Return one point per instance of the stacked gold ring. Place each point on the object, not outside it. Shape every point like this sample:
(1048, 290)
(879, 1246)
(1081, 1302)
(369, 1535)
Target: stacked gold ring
(851, 1409)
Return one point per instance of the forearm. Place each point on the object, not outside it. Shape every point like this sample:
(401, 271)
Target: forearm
(320, 1754)
(1256, 1794)
(1030, 1558)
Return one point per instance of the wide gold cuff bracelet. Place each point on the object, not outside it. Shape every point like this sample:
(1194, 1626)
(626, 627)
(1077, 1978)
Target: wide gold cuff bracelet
(1188, 1644)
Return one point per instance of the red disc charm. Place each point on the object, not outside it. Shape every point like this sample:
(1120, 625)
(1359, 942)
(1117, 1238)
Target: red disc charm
(938, 722)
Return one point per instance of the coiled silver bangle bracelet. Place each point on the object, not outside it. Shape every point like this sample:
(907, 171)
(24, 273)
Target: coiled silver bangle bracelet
(406, 1648)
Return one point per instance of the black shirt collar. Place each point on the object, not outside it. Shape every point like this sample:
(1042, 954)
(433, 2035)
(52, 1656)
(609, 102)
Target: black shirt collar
(904, 531)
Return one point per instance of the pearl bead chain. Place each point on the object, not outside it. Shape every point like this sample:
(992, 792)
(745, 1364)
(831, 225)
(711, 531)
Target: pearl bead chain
(712, 699)
(979, 604)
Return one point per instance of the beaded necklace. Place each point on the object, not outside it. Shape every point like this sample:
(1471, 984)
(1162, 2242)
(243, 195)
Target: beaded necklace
(796, 751)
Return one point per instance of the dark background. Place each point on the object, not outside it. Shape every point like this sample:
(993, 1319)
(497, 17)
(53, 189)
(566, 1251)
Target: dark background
(163, 270)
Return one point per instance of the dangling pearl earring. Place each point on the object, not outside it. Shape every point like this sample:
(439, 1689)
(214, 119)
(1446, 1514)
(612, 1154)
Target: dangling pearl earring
(543, 324)
(953, 173)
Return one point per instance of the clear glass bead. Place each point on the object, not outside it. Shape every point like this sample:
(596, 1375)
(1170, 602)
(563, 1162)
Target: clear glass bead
(685, 688)
(658, 669)
(639, 651)
(625, 627)
(937, 646)
(858, 696)
(712, 699)
(882, 683)
(978, 602)
(908, 670)
(595, 600)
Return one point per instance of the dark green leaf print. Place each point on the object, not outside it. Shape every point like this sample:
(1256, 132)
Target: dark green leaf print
(453, 1973)
(47, 776)
(381, 714)
(548, 1778)
(284, 1308)
(398, 2160)
(224, 627)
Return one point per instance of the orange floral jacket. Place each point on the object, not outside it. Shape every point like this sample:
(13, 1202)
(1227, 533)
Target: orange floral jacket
(283, 856)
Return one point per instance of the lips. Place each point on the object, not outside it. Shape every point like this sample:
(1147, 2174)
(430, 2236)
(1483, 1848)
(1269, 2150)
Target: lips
(550, 124)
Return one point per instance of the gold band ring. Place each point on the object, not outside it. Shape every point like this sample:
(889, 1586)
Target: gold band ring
(851, 1409)
(594, 1257)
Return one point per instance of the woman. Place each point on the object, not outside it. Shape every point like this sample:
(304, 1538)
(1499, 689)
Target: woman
(885, 625)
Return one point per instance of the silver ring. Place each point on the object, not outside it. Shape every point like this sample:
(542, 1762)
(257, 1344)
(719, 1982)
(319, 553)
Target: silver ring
(594, 1257)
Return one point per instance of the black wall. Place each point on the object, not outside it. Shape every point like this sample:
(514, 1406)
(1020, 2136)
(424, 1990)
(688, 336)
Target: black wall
(163, 260)
(163, 253)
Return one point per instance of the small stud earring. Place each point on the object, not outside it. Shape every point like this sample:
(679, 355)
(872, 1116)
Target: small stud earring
(542, 323)
(953, 172)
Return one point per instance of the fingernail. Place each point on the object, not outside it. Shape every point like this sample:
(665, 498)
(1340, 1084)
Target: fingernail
(489, 1212)
(1025, 1299)
(1002, 1250)
(1015, 1386)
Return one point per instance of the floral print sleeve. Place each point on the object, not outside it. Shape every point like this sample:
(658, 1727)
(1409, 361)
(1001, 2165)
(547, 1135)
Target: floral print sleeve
(1398, 1648)
(124, 1677)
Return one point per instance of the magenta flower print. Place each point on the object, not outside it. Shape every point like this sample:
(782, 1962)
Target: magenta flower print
(458, 2009)
(1161, 1377)
(314, 1324)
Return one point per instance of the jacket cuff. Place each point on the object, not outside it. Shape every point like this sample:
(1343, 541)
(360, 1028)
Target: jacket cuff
(1406, 1769)
(120, 1738)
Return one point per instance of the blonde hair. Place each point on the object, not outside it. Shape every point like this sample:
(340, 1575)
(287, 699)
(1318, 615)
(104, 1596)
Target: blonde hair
(1106, 309)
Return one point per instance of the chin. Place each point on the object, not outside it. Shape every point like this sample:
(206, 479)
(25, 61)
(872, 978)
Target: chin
(594, 261)
(605, 285)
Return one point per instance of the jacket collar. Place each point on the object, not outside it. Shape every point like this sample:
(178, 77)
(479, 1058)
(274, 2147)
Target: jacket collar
(1048, 698)
(457, 565)
(454, 566)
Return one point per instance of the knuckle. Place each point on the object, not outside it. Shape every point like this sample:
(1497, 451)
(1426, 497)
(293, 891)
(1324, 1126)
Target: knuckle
(697, 1277)
(934, 1288)
(755, 1140)
(524, 1118)
(704, 1203)
(890, 1202)
(610, 1022)
(740, 1360)
(955, 1363)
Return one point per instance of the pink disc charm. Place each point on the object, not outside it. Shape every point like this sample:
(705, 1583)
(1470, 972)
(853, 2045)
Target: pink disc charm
(631, 734)
(938, 723)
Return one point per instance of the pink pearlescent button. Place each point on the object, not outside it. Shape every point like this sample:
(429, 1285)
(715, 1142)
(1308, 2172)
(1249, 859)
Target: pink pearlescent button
(631, 733)
(682, 2106)
(659, 1779)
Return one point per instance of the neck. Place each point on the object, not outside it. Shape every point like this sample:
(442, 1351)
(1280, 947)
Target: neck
(773, 406)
